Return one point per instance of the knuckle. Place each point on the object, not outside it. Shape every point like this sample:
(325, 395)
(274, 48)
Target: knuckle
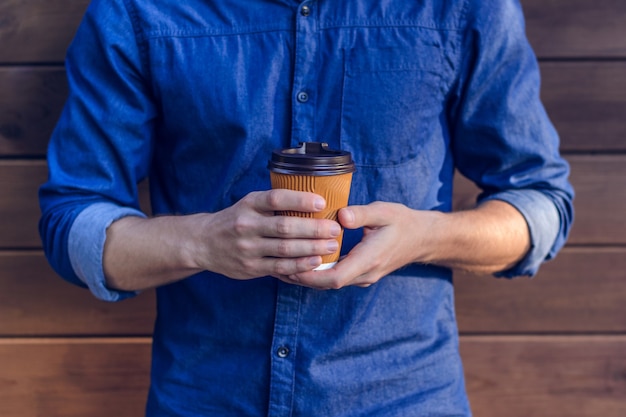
(283, 226)
(335, 284)
(283, 248)
(243, 246)
(302, 265)
(248, 266)
(281, 267)
(273, 199)
(242, 226)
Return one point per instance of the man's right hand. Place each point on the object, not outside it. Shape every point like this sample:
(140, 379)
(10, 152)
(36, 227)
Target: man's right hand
(248, 240)
(244, 241)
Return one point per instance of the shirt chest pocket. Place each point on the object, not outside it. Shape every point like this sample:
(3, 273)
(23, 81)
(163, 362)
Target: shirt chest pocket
(392, 101)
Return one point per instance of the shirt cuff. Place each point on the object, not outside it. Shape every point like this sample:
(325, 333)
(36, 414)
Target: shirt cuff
(86, 244)
(543, 222)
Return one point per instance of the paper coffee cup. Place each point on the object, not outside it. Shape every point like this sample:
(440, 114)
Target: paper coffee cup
(315, 168)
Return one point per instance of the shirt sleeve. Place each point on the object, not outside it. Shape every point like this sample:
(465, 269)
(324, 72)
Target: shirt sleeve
(86, 245)
(543, 224)
(101, 146)
(503, 139)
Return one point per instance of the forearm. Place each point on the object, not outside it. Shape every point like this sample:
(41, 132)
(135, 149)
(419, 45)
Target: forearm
(145, 253)
(487, 239)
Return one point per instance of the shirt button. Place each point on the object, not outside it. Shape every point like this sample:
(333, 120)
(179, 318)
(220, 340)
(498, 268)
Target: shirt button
(303, 97)
(282, 352)
(305, 10)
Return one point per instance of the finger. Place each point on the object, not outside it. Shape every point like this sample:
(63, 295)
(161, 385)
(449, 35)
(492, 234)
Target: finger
(288, 200)
(284, 268)
(354, 269)
(296, 248)
(371, 215)
(299, 227)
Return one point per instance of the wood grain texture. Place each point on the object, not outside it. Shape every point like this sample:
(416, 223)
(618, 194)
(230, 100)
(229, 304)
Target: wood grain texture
(586, 102)
(74, 377)
(40, 30)
(582, 49)
(34, 31)
(581, 291)
(576, 28)
(19, 206)
(599, 182)
(34, 301)
(548, 376)
(30, 104)
(523, 376)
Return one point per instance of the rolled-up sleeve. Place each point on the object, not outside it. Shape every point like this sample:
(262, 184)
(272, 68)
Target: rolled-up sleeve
(503, 139)
(101, 147)
(543, 222)
(86, 247)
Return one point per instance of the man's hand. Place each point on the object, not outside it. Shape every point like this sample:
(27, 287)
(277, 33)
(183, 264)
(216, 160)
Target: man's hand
(486, 239)
(392, 238)
(246, 240)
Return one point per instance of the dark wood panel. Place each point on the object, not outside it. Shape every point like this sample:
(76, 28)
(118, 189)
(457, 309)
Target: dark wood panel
(74, 378)
(599, 180)
(30, 104)
(587, 103)
(41, 30)
(34, 301)
(576, 28)
(38, 30)
(546, 376)
(581, 291)
(600, 185)
(19, 206)
(575, 376)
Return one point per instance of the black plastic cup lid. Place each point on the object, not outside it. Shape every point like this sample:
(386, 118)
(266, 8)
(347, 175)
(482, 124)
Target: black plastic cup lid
(311, 158)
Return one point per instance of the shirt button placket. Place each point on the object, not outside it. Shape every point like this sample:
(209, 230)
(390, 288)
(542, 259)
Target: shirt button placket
(305, 75)
(284, 351)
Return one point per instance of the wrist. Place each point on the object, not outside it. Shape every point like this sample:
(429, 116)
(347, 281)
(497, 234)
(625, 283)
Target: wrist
(193, 243)
(438, 237)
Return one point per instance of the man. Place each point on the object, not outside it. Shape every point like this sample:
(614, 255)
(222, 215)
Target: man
(196, 94)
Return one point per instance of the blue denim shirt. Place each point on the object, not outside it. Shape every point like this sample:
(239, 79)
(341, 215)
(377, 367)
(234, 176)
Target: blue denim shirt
(194, 95)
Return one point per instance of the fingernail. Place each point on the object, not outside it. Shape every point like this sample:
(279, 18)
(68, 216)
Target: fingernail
(332, 246)
(314, 262)
(320, 203)
(335, 230)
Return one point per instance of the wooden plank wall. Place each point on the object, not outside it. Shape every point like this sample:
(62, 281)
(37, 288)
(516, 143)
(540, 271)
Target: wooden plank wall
(548, 347)
(555, 345)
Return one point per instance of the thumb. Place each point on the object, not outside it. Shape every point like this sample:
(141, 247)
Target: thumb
(372, 215)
